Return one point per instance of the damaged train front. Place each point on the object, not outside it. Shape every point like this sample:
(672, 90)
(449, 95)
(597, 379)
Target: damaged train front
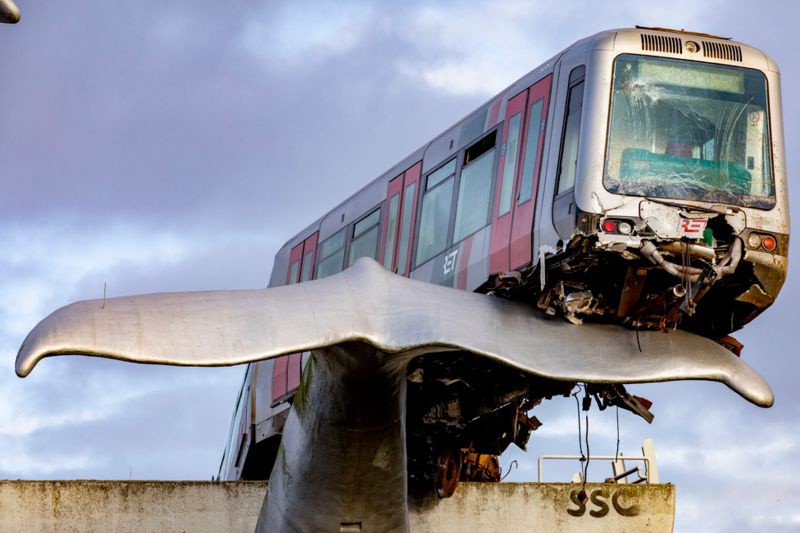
(690, 221)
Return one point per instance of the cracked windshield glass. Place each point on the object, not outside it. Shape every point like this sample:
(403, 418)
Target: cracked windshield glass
(689, 131)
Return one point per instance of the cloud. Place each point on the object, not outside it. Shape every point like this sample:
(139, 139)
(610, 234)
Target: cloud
(479, 48)
(43, 262)
(303, 36)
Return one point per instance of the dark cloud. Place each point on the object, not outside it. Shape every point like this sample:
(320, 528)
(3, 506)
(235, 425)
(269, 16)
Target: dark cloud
(110, 114)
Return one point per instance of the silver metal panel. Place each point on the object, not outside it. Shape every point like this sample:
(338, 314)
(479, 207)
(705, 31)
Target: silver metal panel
(9, 12)
(393, 314)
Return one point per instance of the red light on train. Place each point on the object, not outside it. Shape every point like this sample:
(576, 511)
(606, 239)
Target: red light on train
(769, 243)
(609, 226)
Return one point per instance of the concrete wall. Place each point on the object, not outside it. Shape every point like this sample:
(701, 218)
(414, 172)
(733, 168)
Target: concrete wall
(165, 506)
(551, 507)
(129, 506)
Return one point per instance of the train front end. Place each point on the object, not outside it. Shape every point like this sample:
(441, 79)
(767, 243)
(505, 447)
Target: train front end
(682, 216)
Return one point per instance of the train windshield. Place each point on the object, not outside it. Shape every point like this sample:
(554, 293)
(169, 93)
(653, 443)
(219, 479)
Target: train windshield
(692, 131)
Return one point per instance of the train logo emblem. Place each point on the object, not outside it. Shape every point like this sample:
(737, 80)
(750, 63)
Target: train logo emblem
(693, 225)
(449, 263)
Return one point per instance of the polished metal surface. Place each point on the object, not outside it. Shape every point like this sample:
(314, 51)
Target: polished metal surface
(394, 315)
(342, 464)
(9, 12)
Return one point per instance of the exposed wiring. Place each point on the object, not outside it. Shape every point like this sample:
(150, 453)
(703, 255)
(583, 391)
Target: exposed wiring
(580, 431)
(513, 464)
(588, 454)
(616, 454)
(638, 342)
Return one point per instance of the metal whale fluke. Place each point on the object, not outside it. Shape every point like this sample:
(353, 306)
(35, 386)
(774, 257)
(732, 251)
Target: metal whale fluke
(9, 12)
(396, 316)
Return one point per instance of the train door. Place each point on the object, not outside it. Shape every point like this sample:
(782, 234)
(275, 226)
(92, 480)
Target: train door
(396, 240)
(286, 369)
(528, 182)
(506, 178)
(518, 178)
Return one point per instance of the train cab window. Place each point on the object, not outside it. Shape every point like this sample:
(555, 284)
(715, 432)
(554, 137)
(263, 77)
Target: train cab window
(572, 123)
(435, 215)
(405, 228)
(475, 188)
(689, 131)
(531, 150)
(331, 254)
(510, 165)
(365, 237)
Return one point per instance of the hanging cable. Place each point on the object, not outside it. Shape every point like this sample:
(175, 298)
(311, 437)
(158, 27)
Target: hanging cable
(616, 455)
(513, 464)
(580, 432)
(588, 454)
(638, 342)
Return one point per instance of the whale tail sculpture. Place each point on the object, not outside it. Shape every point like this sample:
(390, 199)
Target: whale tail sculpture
(9, 12)
(379, 344)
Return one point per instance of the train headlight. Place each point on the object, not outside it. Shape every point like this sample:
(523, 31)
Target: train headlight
(691, 46)
(624, 228)
(754, 240)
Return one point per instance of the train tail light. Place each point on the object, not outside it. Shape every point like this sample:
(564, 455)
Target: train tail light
(620, 227)
(769, 243)
(609, 226)
(762, 241)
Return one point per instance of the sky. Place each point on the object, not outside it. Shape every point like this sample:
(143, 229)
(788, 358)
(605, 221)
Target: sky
(176, 145)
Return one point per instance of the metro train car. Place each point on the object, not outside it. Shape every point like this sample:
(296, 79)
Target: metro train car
(635, 178)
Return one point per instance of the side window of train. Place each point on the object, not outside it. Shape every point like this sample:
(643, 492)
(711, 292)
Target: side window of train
(295, 256)
(308, 265)
(572, 122)
(531, 145)
(475, 188)
(331, 255)
(437, 203)
(293, 270)
(391, 229)
(365, 237)
(564, 208)
(409, 205)
(510, 164)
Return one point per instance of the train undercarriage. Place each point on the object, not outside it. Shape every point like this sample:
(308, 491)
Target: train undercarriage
(464, 411)
(711, 284)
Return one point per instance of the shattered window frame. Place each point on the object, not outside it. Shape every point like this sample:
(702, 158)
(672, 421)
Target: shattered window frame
(718, 178)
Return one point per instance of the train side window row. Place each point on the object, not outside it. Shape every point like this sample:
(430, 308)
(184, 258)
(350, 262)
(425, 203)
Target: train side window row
(471, 205)
(462, 186)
